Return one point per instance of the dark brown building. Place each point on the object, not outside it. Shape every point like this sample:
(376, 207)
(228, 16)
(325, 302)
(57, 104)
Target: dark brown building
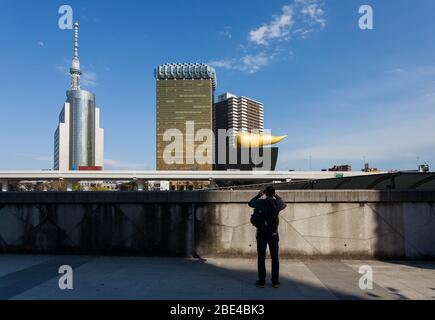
(341, 168)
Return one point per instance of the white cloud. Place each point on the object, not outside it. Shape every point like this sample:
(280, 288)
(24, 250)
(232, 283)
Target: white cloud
(279, 28)
(300, 17)
(226, 32)
(313, 12)
(249, 63)
(255, 62)
(89, 79)
(296, 20)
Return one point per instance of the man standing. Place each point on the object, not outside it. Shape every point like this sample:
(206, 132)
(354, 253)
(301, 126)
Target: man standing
(267, 220)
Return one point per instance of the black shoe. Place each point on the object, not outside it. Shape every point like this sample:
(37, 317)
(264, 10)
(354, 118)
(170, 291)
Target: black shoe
(276, 285)
(260, 284)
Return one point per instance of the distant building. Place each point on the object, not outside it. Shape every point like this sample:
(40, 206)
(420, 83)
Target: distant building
(185, 93)
(188, 185)
(98, 185)
(241, 114)
(78, 140)
(424, 168)
(341, 168)
(158, 185)
(237, 115)
(368, 169)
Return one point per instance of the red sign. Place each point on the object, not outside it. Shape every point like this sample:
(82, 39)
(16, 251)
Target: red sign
(90, 168)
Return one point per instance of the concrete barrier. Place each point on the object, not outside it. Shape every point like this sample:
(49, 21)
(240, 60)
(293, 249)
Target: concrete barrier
(350, 224)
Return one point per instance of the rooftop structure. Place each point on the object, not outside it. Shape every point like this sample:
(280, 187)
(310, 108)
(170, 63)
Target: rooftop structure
(184, 71)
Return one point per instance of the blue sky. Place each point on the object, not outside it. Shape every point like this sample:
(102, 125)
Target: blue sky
(341, 94)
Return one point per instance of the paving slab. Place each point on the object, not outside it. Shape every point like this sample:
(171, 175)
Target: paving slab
(146, 278)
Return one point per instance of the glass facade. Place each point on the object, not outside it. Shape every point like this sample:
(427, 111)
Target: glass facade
(57, 140)
(185, 94)
(82, 128)
(180, 101)
(56, 149)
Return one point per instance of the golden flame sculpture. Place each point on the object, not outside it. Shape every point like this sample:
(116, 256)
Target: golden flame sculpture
(257, 140)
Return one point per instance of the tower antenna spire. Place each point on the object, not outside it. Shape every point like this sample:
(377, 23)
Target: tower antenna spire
(75, 67)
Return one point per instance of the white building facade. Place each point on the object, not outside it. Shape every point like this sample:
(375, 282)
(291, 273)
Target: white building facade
(238, 114)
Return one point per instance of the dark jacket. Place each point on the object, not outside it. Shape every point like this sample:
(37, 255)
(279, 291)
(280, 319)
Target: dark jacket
(265, 204)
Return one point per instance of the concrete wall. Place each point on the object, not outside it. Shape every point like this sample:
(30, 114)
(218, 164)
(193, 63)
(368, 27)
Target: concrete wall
(315, 223)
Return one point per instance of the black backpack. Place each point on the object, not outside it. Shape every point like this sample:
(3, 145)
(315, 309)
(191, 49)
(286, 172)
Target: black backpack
(265, 218)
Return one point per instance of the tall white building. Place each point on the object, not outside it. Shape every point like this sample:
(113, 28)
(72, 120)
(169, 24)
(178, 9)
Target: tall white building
(79, 140)
(241, 114)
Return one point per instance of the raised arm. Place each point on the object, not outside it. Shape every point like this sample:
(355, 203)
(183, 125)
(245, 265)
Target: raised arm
(254, 201)
(281, 203)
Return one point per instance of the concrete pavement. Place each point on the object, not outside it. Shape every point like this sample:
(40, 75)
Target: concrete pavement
(24, 277)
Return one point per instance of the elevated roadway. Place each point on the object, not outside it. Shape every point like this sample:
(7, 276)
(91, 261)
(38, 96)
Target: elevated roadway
(6, 177)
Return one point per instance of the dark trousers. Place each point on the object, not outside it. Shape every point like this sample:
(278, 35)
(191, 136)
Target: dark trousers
(263, 240)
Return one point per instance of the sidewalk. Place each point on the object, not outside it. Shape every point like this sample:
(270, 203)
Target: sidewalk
(36, 277)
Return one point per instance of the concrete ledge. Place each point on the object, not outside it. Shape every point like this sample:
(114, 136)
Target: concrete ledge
(209, 223)
(299, 196)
